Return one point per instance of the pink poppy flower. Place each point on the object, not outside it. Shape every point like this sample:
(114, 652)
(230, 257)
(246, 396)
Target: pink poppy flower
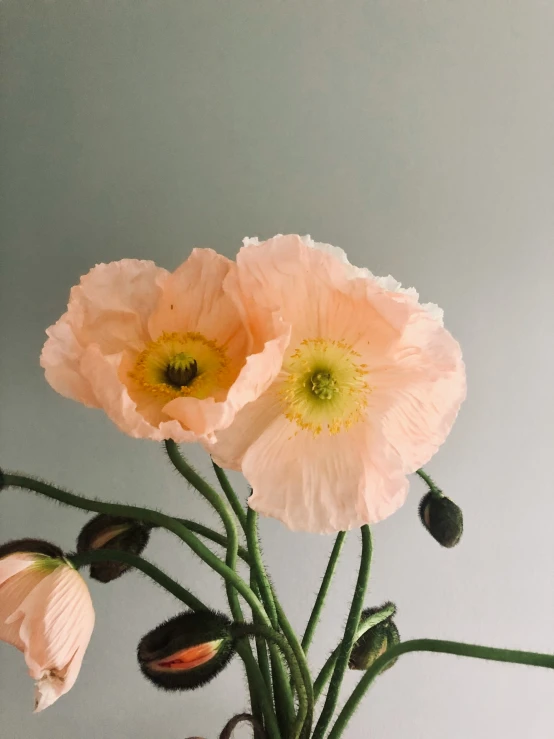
(167, 356)
(370, 386)
(46, 612)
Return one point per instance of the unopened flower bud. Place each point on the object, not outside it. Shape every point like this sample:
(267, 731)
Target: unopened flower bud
(442, 518)
(376, 640)
(187, 651)
(112, 532)
(31, 546)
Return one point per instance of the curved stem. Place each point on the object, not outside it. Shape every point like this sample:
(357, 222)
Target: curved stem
(283, 695)
(533, 659)
(212, 497)
(323, 590)
(230, 494)
(274, 637)
(327, 669)
(352, 624)
(227, 732)
(214, 536)
(139, 563)
(433, 487)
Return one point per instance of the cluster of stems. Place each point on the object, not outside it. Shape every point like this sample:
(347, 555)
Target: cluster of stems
(283, 695)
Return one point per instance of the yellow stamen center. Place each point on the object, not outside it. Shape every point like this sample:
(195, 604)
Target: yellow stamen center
(325, 386)
(181, 365)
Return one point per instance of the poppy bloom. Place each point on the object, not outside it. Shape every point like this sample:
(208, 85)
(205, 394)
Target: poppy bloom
(167, 356)
(370, 386)
(46, 612)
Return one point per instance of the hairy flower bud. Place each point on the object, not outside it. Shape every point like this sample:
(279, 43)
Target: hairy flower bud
(31, 546)
(377, 639)
(187, 651)
(112, 532)
(442, 518)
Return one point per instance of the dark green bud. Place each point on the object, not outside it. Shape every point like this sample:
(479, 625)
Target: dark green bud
(378, 638)
(187, 651)
(442, 518)
(112, 532)
(32, 546)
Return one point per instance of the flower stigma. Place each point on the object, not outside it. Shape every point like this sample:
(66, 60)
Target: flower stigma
(325, 386)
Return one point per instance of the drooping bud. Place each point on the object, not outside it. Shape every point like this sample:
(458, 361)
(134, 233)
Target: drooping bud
(112, 532)
(442, 518)
(378, 638)
(187, 651)
(31, 546)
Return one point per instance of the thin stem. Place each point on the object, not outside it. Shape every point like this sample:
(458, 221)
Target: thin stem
(352, 624)
(283, 696)
(323, 590)
(212, 497)
(327, 669)
(214, 536)
(534, 659)
(261, 645)
(139, 563)
(230, 494)
(227, 732)
(433, 487)
(274, 637)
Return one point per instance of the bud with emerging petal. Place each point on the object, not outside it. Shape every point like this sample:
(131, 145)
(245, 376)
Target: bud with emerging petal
(442, 518)
(112, 532)
(187, 651)
(376, 640)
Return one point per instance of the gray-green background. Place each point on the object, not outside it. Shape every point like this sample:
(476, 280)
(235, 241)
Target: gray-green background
(417, 135)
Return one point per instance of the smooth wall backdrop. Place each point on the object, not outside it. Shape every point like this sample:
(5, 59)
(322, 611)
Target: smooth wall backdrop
(416, 134)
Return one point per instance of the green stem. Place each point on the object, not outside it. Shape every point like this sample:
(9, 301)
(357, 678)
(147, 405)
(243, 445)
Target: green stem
(433, 487)
(350, 631)
(230, 494)
(327, 669)
(214, 536)
(323, 590)
(284, 700)
(138, 563)
(261, 645)
(274, 637)
(533, 659)
(212, 497)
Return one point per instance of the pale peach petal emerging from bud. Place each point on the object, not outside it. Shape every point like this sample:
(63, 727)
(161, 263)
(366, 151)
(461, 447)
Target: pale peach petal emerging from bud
(167, 356)
(46, 612)
(370, 386)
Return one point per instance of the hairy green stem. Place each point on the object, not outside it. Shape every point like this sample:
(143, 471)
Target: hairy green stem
(214, 536)
(284, 700)
(212, 497)
(433, 487)
(327, 669)
(533, 659)
(275, 637)
(139, 563)
(350, 631)
(231, 496)
(323, 590)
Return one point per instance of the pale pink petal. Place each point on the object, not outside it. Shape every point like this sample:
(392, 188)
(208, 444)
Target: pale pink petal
(56, 622)
(103, 373)
(12, 564)
(109, 308)
(324, 483)
(193, 300)
(17, 580)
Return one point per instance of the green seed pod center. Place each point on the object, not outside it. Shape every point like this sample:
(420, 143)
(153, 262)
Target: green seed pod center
(181, 370)
(324, 385)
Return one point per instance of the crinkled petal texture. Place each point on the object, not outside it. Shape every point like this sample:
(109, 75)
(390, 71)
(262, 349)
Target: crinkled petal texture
(370, 386)
(47, 613)
(130, 323)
